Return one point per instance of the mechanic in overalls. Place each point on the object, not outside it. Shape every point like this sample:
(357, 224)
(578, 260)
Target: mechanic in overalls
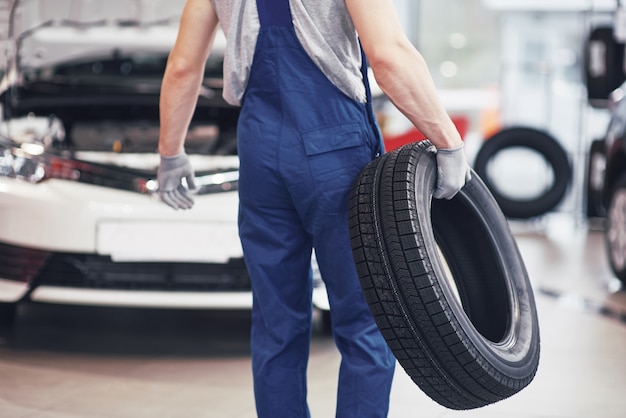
(305, 131)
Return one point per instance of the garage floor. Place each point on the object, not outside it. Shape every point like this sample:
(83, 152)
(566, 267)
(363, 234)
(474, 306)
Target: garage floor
(99, 362)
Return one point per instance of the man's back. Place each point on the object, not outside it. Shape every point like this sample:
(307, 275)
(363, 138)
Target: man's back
(323, 27)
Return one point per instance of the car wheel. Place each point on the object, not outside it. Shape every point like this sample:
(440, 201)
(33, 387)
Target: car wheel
(596, 164)
(444, 280)
(616, 230)
(539, 142)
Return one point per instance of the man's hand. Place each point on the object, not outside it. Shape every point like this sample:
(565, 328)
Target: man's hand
(453, 172)
(172, 171)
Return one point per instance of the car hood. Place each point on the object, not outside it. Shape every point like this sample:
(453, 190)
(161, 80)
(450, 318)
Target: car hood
(43, 34)
(80, 98)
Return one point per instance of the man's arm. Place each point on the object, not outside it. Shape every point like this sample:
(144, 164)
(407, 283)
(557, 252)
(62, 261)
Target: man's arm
(401, 71)
(184, 73)
(179, 95)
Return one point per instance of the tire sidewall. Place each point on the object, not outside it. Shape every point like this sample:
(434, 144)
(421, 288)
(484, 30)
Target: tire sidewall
(514, 352)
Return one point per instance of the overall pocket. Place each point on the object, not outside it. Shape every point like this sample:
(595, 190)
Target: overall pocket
(336, 155)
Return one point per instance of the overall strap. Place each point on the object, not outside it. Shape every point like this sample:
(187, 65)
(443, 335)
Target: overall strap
(364, 66)
(274, 13)
(368, 94)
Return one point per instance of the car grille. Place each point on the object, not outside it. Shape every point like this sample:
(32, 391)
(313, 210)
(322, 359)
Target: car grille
(21, 264)
(100, 272)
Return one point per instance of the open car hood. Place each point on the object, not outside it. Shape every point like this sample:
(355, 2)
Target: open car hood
(81, 96)
(101, 63)
(48, 32)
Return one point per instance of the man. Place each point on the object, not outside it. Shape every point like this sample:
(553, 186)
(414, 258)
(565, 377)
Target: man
(305, 131)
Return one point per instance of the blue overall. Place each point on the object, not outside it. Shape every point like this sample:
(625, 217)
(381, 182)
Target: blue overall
(302, 142)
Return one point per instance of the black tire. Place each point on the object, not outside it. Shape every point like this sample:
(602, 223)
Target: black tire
(605, 70)
(594, 179)
(463, 351)
(541, 143)
(615, 232)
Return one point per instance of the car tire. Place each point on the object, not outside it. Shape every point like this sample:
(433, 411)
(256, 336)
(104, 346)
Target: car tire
(467, 336)
(539, 142)
(615, 232)
(604, 71)
(596, 163)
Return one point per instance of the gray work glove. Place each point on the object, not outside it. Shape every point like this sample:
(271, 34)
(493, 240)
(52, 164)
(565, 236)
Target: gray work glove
(453, 172)
(172, 171)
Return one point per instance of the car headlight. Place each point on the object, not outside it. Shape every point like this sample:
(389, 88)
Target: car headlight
(21, 163)
(33, 163)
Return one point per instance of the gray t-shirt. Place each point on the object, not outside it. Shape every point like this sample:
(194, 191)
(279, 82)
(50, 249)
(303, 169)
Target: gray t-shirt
(323, 27)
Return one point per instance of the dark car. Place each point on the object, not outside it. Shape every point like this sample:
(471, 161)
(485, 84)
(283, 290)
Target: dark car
(613, 147)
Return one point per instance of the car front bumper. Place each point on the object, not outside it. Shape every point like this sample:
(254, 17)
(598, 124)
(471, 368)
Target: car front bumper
(74, 243)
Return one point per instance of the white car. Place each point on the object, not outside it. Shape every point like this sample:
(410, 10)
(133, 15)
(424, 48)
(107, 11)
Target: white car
(79, 219)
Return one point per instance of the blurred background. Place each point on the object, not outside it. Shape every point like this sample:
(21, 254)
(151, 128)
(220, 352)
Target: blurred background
(96, 320)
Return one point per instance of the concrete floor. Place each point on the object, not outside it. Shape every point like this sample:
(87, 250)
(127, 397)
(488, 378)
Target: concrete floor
(68, 361)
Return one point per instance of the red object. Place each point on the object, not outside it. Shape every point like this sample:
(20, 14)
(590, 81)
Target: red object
(413, 135)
